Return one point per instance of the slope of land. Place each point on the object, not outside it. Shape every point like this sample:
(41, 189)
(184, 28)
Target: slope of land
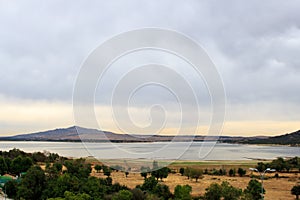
(76, 133)
(286, 139)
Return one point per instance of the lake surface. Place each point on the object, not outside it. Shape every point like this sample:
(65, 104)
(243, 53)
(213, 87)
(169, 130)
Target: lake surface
(158, 150)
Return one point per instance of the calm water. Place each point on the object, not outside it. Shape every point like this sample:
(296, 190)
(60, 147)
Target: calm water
(159, 150)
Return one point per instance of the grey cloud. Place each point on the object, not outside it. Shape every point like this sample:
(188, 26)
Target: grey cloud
(255, 44)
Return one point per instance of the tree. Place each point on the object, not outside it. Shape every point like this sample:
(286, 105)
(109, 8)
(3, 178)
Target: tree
(187, 172)
(183, 192)
(71, 196)
(225, 190)
(296, 191)
(3, 166)
(78, 168)
(66, 182)
(98, 168)
(33, 184)
(181, 171)
(123, 195)
(138, 194)
(126, 174)
(213, 192)
(162, 191)
(229, 192)
(253, 189)
(149, 184)
(144, 171)
(196, 174)
(106, 171)
(144, 174)
(11, 188)
(161, 173)
(20, 164)
(232, 172)
(241, 172)
(57, 166)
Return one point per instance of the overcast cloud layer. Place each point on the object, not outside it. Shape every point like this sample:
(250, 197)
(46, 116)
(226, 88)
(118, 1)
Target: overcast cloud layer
(255, 46)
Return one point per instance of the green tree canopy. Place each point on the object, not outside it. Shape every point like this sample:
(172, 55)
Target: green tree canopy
(32, 184)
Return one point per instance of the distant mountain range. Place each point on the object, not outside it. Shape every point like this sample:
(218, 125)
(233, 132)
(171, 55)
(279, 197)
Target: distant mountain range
(76, 133)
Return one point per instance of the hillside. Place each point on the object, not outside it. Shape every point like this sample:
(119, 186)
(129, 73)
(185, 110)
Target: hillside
(94, 135)
(286, 139)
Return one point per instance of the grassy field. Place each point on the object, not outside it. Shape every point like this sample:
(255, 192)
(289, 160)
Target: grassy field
(276, 189)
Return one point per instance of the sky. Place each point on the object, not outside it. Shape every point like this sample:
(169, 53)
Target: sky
(254, 45)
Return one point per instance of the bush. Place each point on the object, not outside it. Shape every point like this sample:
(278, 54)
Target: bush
(296, 191)
(182, 192)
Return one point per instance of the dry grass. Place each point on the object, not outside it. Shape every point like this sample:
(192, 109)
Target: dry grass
(276, 189)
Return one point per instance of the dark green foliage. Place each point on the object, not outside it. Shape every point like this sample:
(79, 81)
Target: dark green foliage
(161, 173)
(93, 188)
(3, 166)
(224, 191)
(216, 172)
(162, 190)
(144, 174)
(149, 184)
(253, 189)
(183, 192)
(65, 182)
(32, 184)
(11, 188)
(181, 171)
(39, 157)
(123, 195)
(213, 192)
(241, 172)
(196, 174)
(78, 168)
(106, 171)
(187, 172)
(20, 164)
(72, 196)
(229, 192)
(231, 172)
(98, 168)
(296, 191)
(144, 171)
(280, 164)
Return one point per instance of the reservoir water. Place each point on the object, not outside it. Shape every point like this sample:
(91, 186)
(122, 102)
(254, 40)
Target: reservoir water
(157, 150)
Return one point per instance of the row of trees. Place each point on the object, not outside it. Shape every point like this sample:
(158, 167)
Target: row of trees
(281, 164)
(16, 161)
(197, 173)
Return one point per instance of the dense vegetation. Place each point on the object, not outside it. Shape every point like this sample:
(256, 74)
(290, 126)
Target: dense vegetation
(280, 165)
(66, 179)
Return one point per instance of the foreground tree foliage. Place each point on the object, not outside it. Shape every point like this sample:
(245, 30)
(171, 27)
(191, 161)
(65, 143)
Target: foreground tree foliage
(224, 191)
(33, 184)
(64, 179)
(183, 192)
(253, 190)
